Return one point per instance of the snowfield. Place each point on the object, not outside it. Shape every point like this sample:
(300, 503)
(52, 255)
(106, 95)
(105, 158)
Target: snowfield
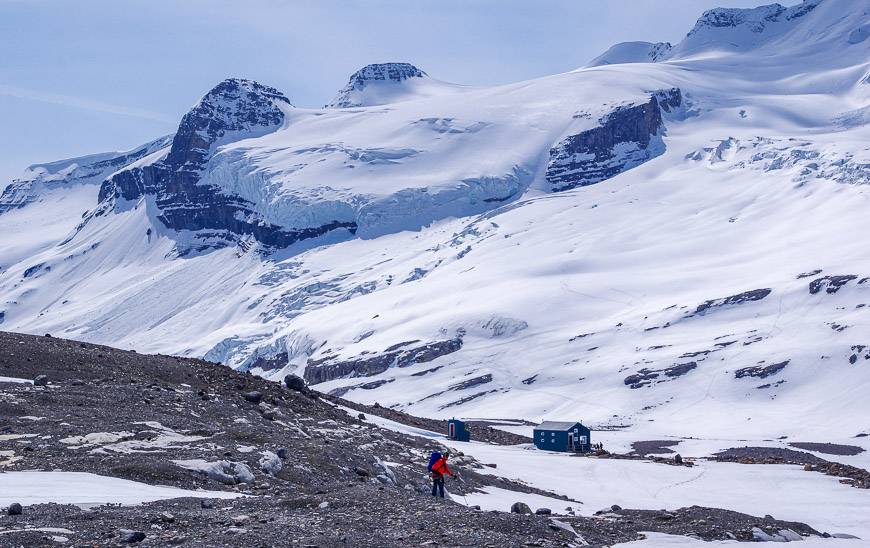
(716, 278)
(87, 490)
(786, 492)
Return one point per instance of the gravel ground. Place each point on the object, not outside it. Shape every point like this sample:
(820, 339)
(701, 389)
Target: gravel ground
(852, 475)
(339, 481)
(828, 448)
(654, 447)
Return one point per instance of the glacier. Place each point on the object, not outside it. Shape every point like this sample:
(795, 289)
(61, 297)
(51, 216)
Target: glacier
(591, 243)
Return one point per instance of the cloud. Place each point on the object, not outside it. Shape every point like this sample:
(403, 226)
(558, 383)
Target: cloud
(84, 104)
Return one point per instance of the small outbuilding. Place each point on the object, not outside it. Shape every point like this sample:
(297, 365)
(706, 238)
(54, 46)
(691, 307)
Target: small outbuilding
(562, 436)
(456, 430)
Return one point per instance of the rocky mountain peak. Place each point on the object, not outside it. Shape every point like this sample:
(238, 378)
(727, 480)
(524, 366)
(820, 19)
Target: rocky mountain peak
(742, 29)
(754, 19)
(234, 105)
(376, 73)
(395, 72)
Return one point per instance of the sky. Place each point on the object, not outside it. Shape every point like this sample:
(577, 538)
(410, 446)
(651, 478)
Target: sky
(86, 76)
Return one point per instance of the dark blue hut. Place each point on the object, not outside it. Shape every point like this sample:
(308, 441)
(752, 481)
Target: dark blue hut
(562, 436)
(456, 430)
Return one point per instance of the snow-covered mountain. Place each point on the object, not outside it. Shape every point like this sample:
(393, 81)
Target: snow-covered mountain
(646, 238)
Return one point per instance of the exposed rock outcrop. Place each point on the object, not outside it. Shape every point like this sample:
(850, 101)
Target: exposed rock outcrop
(625, 138)
(185, 201)
(761, 371)
(395, 73)
(327, 369)
(831, 284)
(740, 298)
(646, 376)
(41, 178)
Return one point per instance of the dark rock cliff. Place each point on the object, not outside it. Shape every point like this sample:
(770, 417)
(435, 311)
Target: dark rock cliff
(377, 72)
(624, 138)
(234, 109)
(66, 173)
(327, 369)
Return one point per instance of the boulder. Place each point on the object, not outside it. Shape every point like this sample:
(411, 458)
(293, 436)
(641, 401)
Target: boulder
(240, 520)
(520, 508)
(128, 536)
(543, 511)
(14, 509)
(40, 380)
(270, 463)
(223, 471)
(678, 459)
(296, 383)
(253, 397)
(282, 453)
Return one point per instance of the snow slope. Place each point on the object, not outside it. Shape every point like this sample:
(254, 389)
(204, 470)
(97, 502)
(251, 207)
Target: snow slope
(689, 287)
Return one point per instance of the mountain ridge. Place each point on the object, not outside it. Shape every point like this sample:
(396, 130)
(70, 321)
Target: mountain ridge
(330, 236)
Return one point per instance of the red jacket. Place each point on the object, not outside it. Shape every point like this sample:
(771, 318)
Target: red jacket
(440, 468)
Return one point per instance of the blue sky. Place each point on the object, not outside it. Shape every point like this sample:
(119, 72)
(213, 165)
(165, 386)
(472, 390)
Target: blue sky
(85, 76)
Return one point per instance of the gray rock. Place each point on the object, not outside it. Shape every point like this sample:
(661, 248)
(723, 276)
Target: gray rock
(227, 472)
(616, 508)
(253, 397)
(240, 520)
(14, 509)
(40, 380)
(270, 463)
(282, 453)
(166, 517)
(678, 458)
(543, 511)
(128, 536)
(520, 508)
(783, 535)
(295, 382)
(206, 503)
(269, 412)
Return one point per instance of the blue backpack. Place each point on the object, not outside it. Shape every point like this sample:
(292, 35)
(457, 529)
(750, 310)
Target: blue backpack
(433, 458)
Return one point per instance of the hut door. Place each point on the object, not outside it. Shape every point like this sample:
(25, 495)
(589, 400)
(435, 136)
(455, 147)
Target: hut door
(570, 441)
(451, 431)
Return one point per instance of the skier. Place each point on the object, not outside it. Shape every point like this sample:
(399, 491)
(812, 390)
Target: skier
(438, 469)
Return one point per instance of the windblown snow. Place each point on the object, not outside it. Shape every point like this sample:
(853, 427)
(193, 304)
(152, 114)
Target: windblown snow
(716, 268)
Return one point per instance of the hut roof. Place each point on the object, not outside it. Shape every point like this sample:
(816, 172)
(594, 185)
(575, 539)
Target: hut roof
(554, 425)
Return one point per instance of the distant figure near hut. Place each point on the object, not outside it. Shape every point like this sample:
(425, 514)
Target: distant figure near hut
(456, 430)
(563, 436)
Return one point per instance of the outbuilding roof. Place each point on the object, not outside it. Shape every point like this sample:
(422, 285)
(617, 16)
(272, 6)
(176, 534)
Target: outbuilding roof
(554, 425)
